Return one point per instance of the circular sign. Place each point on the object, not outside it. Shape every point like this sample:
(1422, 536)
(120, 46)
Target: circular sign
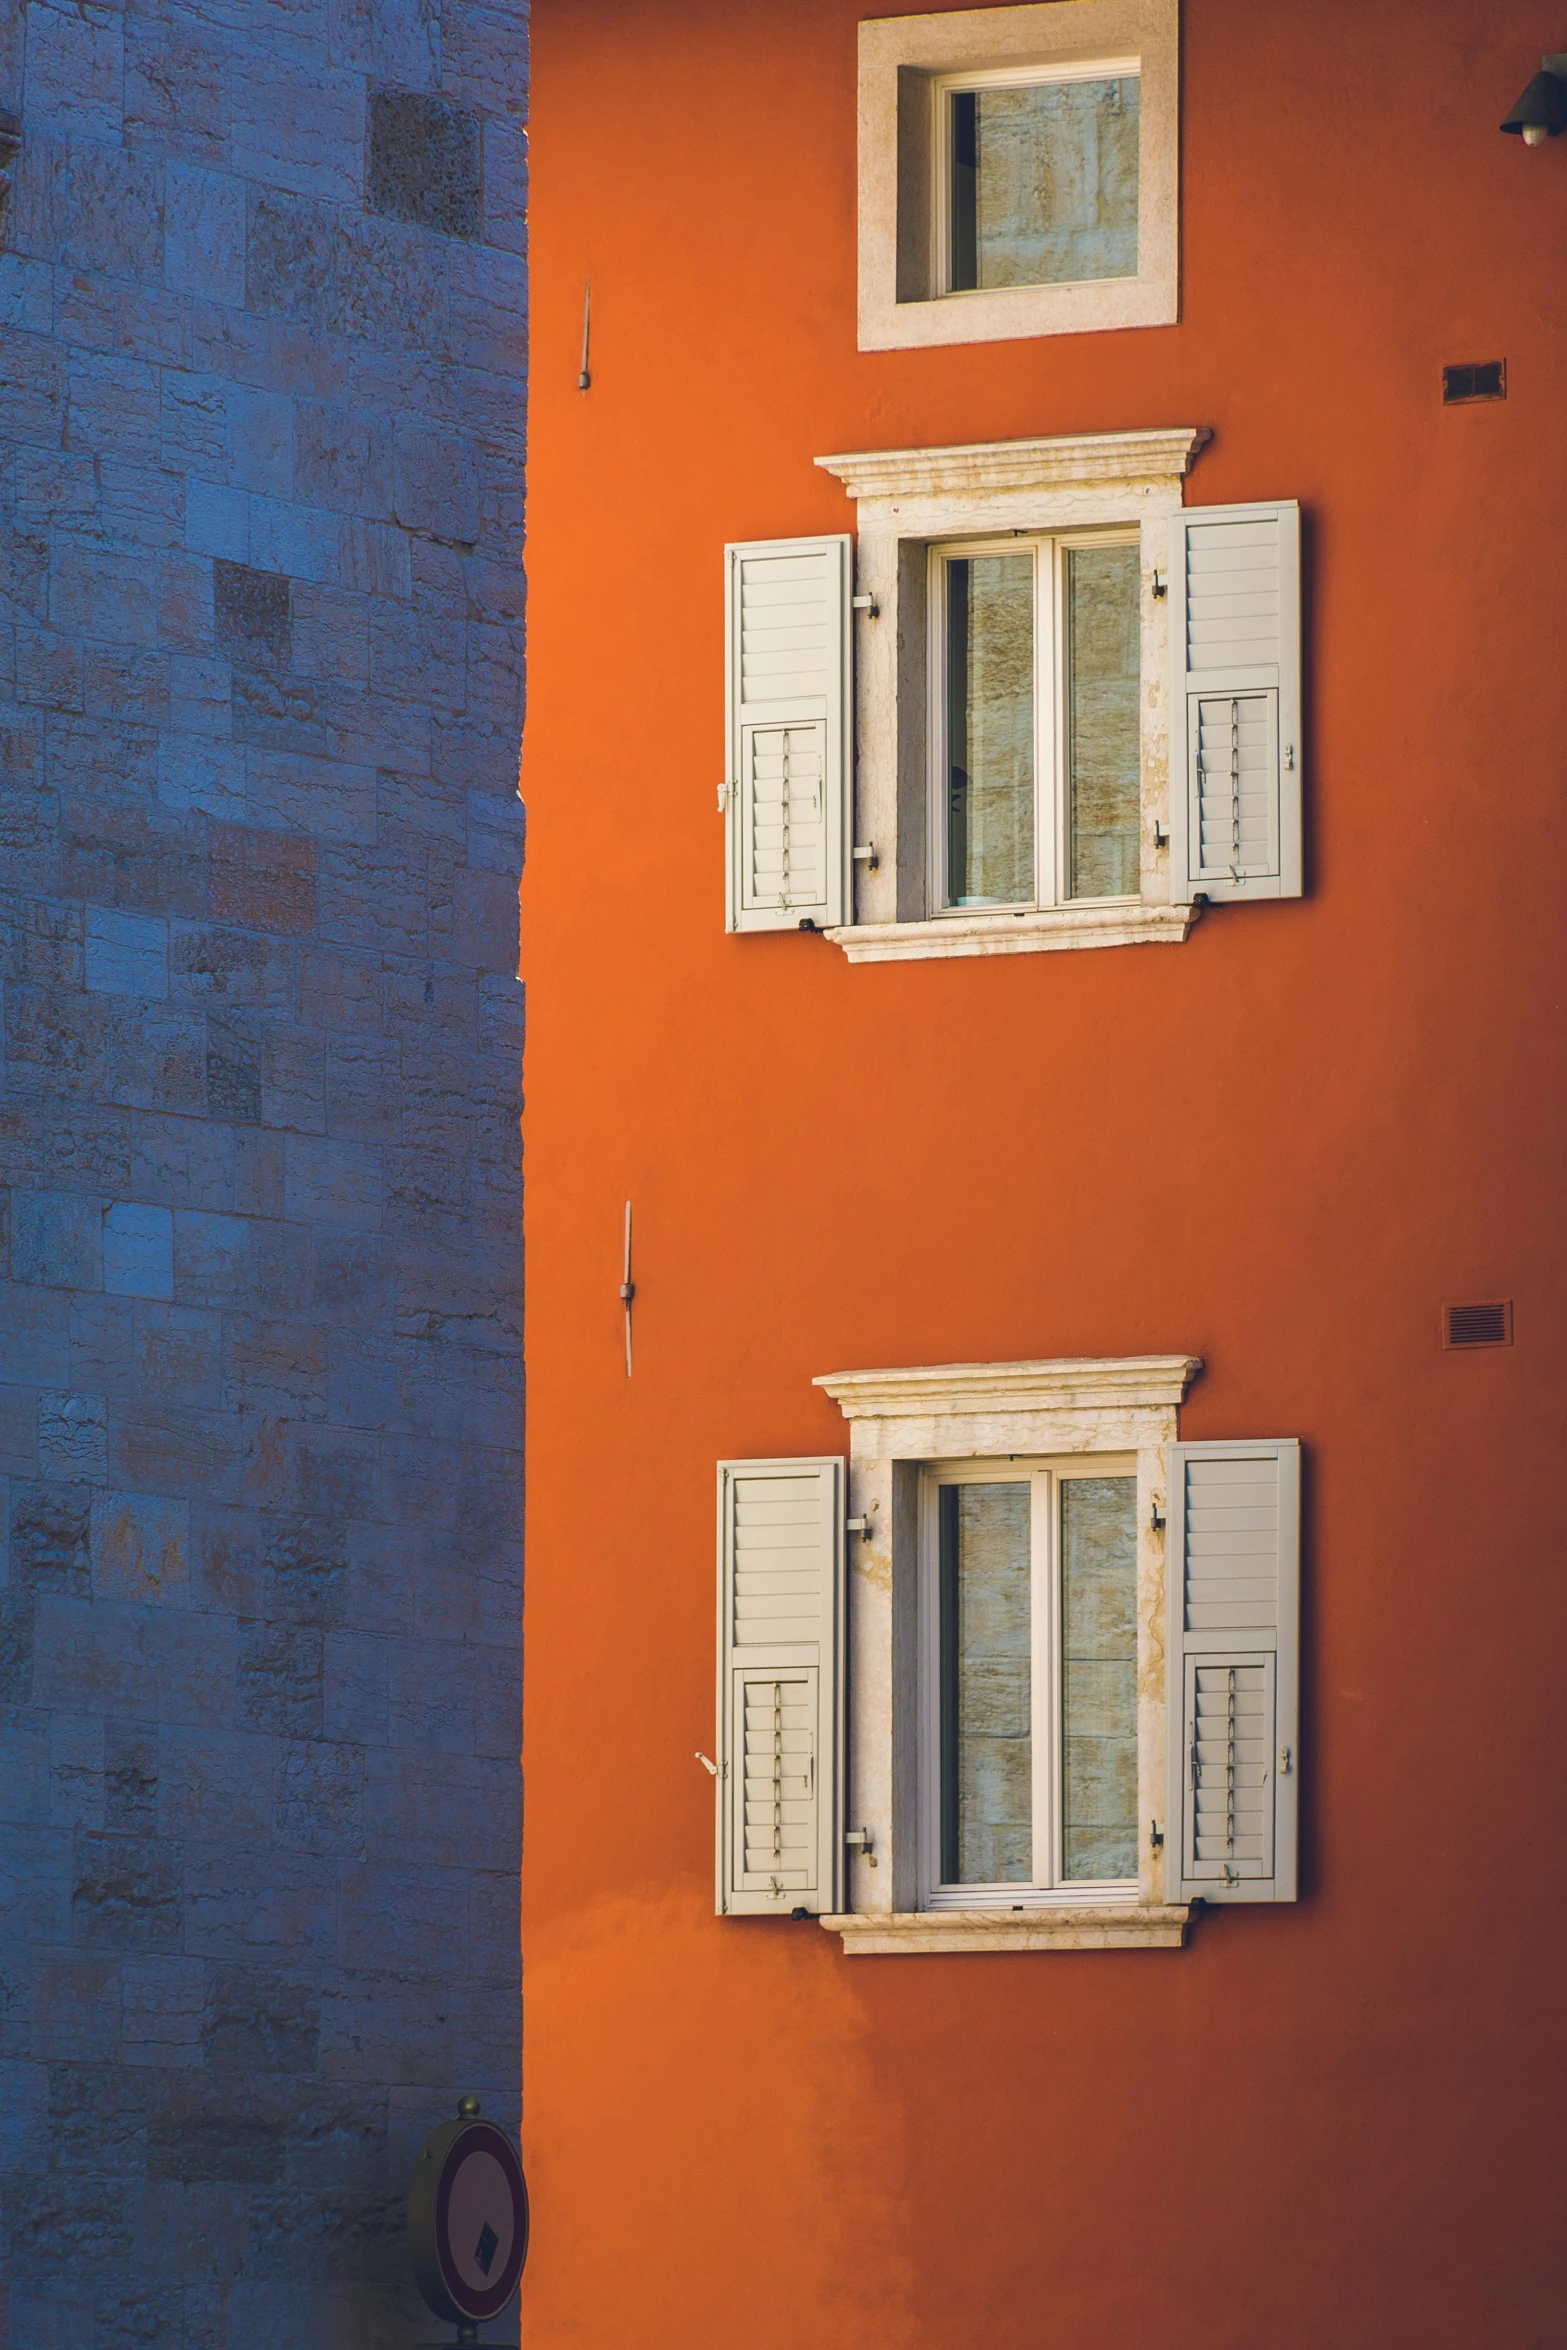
(468, 2218)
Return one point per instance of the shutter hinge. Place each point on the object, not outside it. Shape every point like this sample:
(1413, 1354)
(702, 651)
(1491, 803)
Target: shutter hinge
(866, 604)
(1161, 839)
(1161, 587)
(1155, 1518)
(1155, 1835)
(860, 1840)
(1286, 1762)
(726, 793)
(867, 855)
(1289, 754)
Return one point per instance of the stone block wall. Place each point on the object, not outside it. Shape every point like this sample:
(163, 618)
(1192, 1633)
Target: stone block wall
(261, 439)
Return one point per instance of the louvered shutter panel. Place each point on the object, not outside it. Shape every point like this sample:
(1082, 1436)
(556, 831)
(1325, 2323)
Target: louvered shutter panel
(780, 1686)
(788, 672)
(1235, 748)
(1233, 1667)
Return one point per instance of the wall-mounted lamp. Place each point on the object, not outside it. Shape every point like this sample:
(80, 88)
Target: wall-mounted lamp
(1542, 110)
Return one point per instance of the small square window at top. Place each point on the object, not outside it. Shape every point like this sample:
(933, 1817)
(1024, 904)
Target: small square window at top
(1040, 180)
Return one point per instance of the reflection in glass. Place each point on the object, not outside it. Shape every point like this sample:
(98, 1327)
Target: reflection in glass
(1099, 1677)
(1103, 642)
(987, 1833)
(1044, 183)
(990, 730)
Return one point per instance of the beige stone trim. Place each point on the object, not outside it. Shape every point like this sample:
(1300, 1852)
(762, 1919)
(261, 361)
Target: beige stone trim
(968, 467)
(899, 1419)
(1052, 929)
(918, 1933)
(1068, 1384)
(898, 56)
(908, 500)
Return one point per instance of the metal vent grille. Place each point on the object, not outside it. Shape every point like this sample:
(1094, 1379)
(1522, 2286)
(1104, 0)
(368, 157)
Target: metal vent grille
(1490, 1324)
(1476, 379)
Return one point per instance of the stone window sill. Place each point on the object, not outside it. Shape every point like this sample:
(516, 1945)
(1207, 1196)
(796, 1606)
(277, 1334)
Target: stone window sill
(1124, 1926)
(1015, 934)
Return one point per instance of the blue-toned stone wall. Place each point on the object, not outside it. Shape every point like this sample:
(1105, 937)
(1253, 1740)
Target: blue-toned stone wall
(261, 446)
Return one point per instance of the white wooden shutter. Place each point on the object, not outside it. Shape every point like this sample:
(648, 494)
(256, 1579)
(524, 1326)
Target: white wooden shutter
(1235, 748)
(1234, 1673)
(788, 676)
(780, 1686)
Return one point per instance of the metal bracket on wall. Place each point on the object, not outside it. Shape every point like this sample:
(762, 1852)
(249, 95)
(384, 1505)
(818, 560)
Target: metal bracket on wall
(628, 1288)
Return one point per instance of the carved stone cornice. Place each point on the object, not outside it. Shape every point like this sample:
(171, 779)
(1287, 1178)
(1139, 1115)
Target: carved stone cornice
(1076, 461)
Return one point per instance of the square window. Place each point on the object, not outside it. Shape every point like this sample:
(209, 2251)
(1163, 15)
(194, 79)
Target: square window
(1029, 1621)
(1018, 172)
(1036, 667)
(1038, 177)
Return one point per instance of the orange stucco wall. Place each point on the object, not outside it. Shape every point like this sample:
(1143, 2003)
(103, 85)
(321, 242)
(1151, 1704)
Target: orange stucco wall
(1280, 1146)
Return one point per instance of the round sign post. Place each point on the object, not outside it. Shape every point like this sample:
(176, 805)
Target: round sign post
(468, 2220)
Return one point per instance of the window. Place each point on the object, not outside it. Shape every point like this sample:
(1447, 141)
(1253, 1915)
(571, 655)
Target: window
(1037, 177)
(1036, 1690)
(1018, 172)
(1037, 761)
(1035, 702)
(1028, 1611)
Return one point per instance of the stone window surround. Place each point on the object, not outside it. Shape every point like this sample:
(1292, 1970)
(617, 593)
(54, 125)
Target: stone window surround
(898, 1421)
(898, 56)
(909, 499)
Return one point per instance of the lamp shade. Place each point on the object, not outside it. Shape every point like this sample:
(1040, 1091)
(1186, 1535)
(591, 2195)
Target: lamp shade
(1543, 107)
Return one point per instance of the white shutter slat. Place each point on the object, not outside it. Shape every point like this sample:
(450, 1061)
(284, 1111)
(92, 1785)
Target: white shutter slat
(1233, 1639)
(788, 687)
(1235, 738)
(781, 1598)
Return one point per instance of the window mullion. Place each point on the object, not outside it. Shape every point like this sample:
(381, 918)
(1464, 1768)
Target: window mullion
(1047, 741)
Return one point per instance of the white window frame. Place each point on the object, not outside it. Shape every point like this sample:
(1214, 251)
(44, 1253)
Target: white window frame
(1074, 490)
(1052, 809)
(1026, 77)
(1061, 1418)
(1049, 1887)
(903, 62)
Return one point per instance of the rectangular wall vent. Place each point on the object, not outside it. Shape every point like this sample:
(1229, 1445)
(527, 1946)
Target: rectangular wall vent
(1477, 379)
(1490, 1324)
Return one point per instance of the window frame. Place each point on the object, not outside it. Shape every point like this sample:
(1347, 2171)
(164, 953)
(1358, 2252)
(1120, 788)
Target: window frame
(900, 306)
(1049, 1887)
(1027, 76)
(900, 1422)
(1052, 719)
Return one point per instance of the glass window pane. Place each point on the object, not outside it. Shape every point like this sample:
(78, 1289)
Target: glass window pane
(1104, 658)
(1044, 183)
(990, 730)
(987, 1747)
(1099, 1677)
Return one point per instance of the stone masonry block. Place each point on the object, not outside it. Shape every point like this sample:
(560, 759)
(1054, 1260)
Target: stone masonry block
(204, 234)
(217, 523)
(252, 616)
(113, 212)
(126, 1894)
(147, 1664)
(260, 2019)
(174, 88)
(138, 1250)
(280, 1678)
(126, 954)
(425, 162)
(320, 1797)
(297, 123)
(262, 880)
(199, 776)
(56, 1238)
(162, 2010)
(216, 1788)
(32, 390)
(234, 1909)
(141, 1548)
(76, 69)
(73, 1437)
(130, 1778)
